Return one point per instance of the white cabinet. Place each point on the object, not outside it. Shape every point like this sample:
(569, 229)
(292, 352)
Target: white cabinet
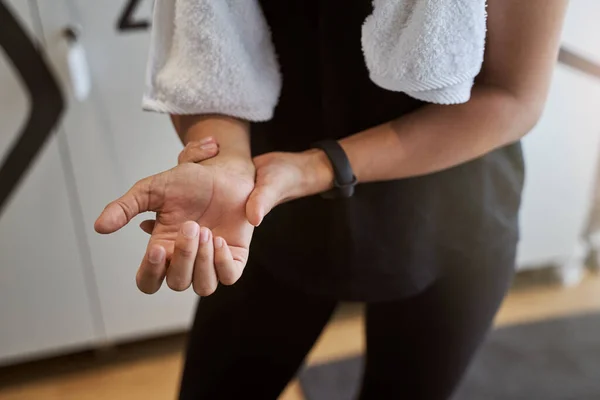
(44, 291)
(62, 286)
(112, 144)
(561, 155)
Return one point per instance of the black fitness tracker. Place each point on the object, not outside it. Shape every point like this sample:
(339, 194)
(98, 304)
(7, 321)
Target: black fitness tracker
(344, 179)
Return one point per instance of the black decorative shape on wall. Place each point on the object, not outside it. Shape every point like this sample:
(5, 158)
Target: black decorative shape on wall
(46, 102)
(127, 22)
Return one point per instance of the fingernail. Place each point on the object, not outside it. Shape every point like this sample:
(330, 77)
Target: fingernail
(190, 230)
(219, 242)
(209, 146)
(207, 140)
(155, 255)
(203, 235)
(261, 216)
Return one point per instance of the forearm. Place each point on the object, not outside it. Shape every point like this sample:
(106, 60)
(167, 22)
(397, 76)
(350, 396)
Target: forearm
(438, 137)
(432, 139)
(232, 134)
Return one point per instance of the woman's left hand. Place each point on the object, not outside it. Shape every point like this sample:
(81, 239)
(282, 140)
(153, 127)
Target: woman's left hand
(281, 177)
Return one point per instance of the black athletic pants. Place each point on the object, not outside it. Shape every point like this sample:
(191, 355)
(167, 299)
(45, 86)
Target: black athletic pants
(248, 340)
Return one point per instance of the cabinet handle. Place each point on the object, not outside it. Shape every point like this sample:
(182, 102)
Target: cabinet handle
(79, 71)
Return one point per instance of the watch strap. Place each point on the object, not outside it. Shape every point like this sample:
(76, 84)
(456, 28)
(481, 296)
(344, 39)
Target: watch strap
(344, 179)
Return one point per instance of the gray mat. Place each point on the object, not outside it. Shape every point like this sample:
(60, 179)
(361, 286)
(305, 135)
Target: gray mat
(551, 360)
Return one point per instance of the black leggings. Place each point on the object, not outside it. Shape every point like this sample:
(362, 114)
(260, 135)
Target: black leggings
(248, 340)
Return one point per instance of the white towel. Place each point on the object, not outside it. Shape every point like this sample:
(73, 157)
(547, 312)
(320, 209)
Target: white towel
(212, 57)
(430, 49)
(216, 56)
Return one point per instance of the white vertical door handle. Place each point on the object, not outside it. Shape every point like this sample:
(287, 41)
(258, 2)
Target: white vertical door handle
(79, 71)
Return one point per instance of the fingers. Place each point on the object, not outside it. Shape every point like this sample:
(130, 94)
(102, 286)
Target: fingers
(197, 259)
(118, 213)
(180, 271)
(148, 226)
(197, 151)
(228, 270)
(151, 273)
(205, 278)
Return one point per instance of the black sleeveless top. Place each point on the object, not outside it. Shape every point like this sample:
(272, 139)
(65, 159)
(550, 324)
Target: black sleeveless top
(393, 238)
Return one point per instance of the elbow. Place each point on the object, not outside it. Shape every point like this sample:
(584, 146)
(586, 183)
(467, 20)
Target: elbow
(531, 115)
(525, 113)
(519, 110)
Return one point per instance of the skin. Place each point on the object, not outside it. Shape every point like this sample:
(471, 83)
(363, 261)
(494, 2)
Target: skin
(219, 193)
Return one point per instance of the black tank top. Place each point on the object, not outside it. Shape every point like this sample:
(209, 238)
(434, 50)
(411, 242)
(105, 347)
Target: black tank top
(393, 238)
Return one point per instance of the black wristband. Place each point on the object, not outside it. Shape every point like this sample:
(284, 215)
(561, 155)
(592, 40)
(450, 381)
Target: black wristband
(344, 179)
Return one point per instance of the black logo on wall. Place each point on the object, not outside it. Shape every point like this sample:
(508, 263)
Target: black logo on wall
(46, 102)
(127, 21)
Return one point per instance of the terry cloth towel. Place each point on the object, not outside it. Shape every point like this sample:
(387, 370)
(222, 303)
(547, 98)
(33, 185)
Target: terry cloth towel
(216, 56)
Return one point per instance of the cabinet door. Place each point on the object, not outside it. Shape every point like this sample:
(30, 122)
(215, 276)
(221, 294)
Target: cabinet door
(44, 303)
(562, 151)
(561, 154)
(113, 144)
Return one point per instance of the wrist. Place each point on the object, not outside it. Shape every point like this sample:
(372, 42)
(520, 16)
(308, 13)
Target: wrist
(232, 162)
(232, 134)
(318, 175)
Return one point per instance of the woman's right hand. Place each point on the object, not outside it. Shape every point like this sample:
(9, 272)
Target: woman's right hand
(201, 234)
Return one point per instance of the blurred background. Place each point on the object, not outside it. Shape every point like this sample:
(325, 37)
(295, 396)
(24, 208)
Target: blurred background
(73, 137)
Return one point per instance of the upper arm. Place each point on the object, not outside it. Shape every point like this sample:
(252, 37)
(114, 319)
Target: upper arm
(522, 46)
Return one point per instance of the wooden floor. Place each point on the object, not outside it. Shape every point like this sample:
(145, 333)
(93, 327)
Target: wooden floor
(150, 370)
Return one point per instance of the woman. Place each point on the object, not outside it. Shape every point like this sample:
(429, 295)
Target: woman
(427, 241)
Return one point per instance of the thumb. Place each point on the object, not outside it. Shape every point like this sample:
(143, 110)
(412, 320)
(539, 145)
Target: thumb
(118, 213)
(261, 201)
